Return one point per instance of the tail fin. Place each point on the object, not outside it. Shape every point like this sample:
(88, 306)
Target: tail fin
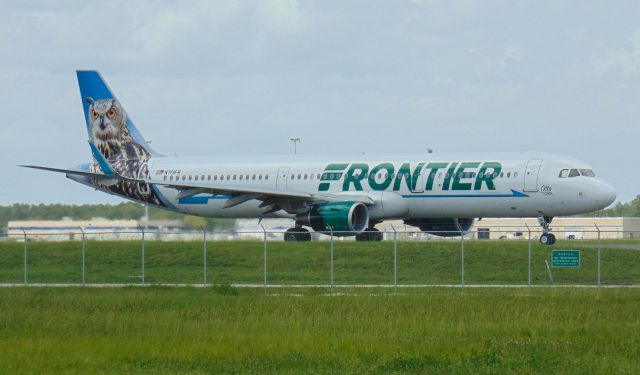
(106, 119)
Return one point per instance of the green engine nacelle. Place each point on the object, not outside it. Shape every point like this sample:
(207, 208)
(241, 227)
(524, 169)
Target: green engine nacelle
(343, 218)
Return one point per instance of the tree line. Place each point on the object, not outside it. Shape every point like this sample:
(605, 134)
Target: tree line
(628, 209)
(121, 211)
(134, 211)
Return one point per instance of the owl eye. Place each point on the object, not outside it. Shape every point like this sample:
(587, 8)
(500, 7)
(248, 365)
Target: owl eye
(111, 113)
(94, 115)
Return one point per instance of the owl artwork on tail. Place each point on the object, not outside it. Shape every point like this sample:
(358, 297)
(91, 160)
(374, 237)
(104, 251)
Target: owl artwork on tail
(111, 136)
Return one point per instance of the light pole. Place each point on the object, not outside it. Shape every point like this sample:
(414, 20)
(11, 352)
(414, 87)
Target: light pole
(295, 144)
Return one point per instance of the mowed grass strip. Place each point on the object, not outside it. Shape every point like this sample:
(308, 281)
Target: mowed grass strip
(242, 262)
(157, 330)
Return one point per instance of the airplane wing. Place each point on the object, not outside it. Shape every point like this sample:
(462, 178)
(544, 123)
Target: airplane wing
(272, 200)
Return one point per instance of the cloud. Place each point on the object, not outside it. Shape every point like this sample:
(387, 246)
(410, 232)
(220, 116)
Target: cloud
(202, 77)
(624, 61)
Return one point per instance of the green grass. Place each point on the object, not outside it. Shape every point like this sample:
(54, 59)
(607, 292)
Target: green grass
(231, 262)
(159, 330)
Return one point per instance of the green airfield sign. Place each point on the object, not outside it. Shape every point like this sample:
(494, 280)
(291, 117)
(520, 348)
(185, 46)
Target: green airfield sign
(565, 258)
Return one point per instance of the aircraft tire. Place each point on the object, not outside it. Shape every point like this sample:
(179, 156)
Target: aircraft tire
(297, 234)
(370, 234)
(547, 239)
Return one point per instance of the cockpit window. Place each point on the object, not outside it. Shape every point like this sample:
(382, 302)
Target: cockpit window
(574, 173)
(564, 173)
(587, 172)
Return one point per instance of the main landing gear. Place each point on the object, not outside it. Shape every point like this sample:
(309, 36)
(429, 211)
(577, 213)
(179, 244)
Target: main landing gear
(546, 238)
(297, 234)
(370, 234)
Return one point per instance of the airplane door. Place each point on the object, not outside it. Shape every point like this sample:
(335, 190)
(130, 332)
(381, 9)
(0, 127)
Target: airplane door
(283, 177)
(531, 175)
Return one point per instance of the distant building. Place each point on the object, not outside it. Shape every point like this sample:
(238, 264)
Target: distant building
(251, 229)
(97, 229)
(488, 228)
(563, 227)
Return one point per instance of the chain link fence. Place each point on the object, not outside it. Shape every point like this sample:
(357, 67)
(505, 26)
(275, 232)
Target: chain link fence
(403, 259)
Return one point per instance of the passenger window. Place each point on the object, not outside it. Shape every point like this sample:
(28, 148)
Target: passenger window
(564, 173)
(574, 173)
(253, 177)
(508, 174)
(501, 174)
(305, 176)
(240, 177)
(515, 174)
(266, 177)
(171, 178)
(587, 172)
(190, 177)
(234, 177)
(259, 177)
(165, 177)
(196, 178)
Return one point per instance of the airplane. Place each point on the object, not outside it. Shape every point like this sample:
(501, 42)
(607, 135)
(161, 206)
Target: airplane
(344, 195)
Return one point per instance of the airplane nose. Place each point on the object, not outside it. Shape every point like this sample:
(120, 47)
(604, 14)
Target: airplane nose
(606, 194)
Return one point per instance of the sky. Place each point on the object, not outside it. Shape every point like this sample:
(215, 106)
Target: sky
(242, 77)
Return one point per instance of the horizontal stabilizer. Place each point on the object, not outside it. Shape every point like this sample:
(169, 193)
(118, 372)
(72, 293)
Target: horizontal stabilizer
(70, 171)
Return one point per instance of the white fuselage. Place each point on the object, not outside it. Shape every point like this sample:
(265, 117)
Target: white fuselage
(525, 185)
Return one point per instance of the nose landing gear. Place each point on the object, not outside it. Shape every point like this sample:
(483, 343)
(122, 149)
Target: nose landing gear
(546, 238)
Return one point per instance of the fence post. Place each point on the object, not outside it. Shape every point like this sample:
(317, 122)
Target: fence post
(142, 256)
(24, 234)
(83, 253)
(264, 231)
(331, 263)
(529, 257)
(395, 260)
(462, 259)
(204, 255)
(599, 246)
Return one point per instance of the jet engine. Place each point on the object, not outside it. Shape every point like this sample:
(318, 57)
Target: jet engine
(343, 218)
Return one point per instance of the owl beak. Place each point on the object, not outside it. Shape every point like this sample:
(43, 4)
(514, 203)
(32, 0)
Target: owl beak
(102, 125)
